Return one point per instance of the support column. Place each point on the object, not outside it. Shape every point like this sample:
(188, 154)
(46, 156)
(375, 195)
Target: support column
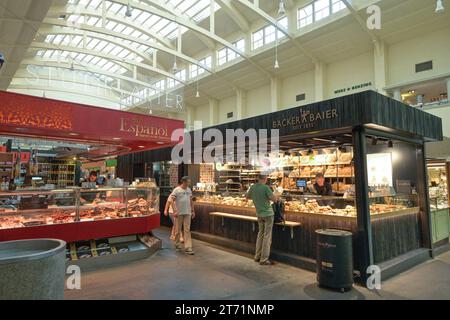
(155, 59)
(190, 117)
(364, 248)
(275, 87)
(448, 89)
(380, 66)
(320, 81)
(424, 199)
(397, 95)
(213, 112)
(241, 97)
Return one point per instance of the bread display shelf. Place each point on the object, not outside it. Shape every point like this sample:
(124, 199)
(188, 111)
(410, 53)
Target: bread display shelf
(413, 210)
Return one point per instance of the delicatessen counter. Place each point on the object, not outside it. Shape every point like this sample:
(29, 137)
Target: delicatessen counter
(78, 214)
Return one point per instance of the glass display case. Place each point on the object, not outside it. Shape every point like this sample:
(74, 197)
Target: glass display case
(37, 208)
(312, 204)
(438, 185)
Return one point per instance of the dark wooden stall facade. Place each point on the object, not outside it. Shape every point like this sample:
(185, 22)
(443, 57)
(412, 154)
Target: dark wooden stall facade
(403, 238)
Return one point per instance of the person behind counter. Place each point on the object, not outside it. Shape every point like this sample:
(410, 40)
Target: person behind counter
(321, 187)
(184, 213)
(261, 194)
(89, 197)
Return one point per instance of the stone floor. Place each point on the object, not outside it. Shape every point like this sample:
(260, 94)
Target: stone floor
(214, 273)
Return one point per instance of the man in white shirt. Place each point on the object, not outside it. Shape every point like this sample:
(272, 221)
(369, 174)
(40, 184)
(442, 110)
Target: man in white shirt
(184, 213)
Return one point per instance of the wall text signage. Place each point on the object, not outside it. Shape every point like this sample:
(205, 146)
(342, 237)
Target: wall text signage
(353, 88)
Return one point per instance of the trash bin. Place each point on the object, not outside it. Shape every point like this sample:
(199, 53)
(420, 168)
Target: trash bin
(32, 269)
(334, 259)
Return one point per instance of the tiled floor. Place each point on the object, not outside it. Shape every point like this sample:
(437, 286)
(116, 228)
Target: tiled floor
(218, 274)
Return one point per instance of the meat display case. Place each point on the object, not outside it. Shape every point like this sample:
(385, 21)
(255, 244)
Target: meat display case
(78, 214)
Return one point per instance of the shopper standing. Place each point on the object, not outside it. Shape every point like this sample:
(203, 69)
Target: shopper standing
(261, 194)
(184, 207)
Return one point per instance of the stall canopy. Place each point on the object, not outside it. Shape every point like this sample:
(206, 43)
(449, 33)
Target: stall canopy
(118, 132)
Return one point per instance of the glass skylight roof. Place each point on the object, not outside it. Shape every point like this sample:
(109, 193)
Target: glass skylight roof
(163, 30)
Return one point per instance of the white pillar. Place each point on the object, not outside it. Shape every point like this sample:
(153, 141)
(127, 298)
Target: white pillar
(397, 95)
(380, 66)
(448, 89)
(155, 58)
(241, 97)
(213, 112)
(320, 81)
(190, 117)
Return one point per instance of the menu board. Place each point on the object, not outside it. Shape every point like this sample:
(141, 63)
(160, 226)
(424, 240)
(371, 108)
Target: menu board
(379, 169)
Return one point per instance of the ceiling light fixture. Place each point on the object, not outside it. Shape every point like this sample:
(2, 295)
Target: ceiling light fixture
(390, 144)
(282, 8)
(374, 141)
(129, 11)
(175, 65)
(439, 6)
(197, 95)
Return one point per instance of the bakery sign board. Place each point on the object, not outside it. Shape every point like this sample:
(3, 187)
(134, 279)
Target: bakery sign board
(305, 119)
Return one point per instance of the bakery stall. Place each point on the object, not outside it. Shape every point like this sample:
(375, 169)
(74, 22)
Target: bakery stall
(439, 187)
(369, 149)
(44, 194)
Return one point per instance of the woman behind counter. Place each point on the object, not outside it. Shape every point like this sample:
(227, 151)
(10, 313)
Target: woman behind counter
(89, 197)
(321, 187)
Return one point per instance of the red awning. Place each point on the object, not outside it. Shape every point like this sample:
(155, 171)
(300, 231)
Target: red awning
(122, 132)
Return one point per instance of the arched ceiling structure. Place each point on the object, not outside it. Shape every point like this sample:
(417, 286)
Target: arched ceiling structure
(132, 46)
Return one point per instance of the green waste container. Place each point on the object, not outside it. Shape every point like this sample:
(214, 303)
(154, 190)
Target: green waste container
(334, 259)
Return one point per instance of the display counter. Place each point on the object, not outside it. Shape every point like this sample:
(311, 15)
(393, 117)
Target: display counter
(78, 214)
(395, 224)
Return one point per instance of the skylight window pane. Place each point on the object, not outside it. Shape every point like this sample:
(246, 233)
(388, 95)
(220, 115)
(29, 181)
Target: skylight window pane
(151, 21)
(207, 62)
(184, 5)
(95, 60)
(282, 23)
(240, 45)
(258, 39)
(338, 5)
(269, 34)
(222, 56)
(321, 9)
(305, 16)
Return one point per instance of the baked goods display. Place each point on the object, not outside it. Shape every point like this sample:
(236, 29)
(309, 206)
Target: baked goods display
(385, 208)
(346, 171)
(341, 186)
(310, 206)
(206, 173)
(227, 201)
